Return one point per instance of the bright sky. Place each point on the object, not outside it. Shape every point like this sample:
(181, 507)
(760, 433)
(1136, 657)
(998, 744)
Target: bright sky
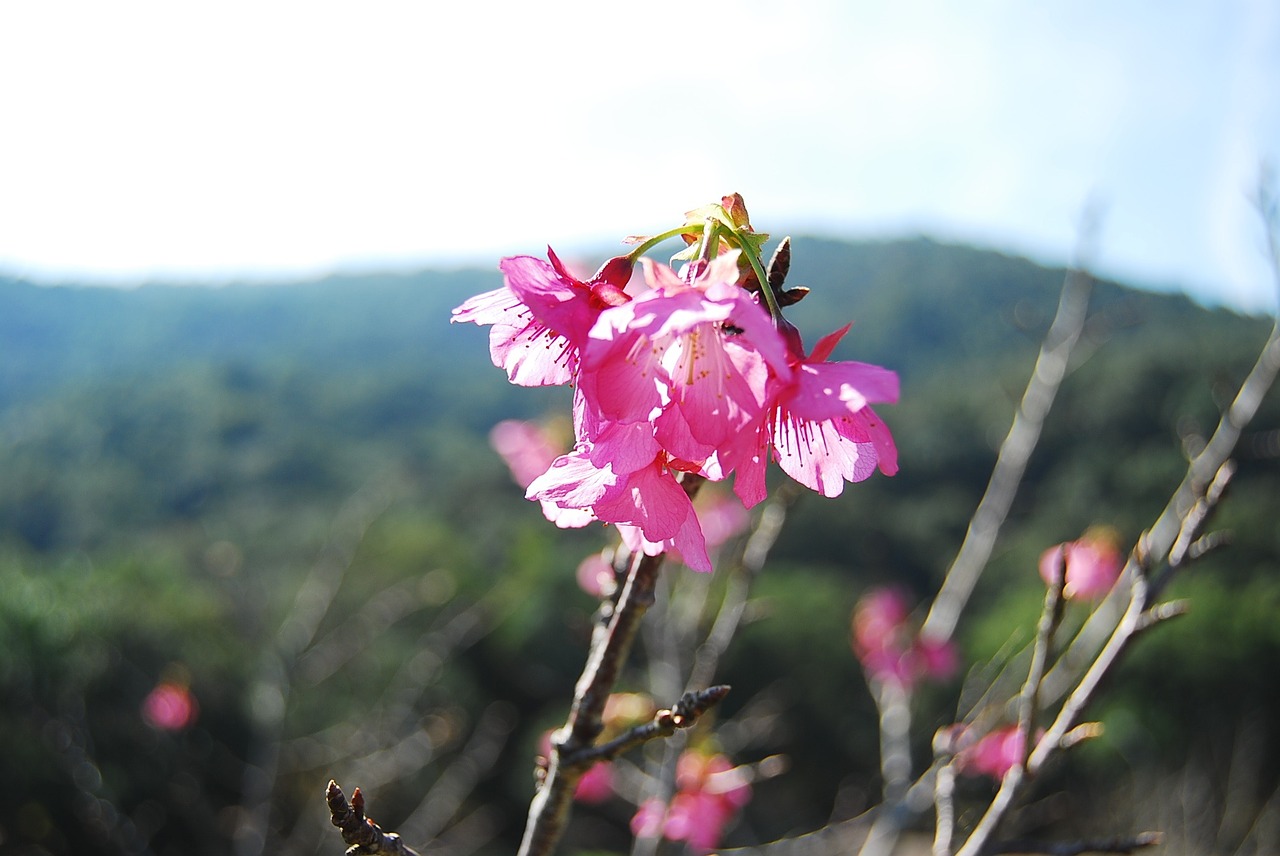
(204, 140)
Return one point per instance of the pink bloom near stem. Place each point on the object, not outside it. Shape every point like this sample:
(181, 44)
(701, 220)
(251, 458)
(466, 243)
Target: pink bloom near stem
(1092, 565)
(648, 498)
(688, 358)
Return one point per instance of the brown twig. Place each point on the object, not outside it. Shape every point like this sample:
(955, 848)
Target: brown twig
(549, 809)
(364, 836)
(684, 714)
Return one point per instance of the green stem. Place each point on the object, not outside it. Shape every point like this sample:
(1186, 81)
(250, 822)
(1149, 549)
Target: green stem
(771, 299)
(650, 243)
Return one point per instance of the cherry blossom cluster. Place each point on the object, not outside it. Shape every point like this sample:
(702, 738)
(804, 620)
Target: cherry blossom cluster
(709, 792)
(691, 373)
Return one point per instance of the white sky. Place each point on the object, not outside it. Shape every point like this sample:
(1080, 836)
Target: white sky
(213, 139)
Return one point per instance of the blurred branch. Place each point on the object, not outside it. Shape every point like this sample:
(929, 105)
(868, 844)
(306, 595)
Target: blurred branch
(1138, 842)
(273, 685)
(1168, 542)
(1011, 461)
(754, 554)
(459, 779)
(1028, 707)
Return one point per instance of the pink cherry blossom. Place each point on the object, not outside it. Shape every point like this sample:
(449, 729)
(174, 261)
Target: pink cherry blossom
(689, 358)
(1092, 564)
(647, 497)
(541, 316)
(819, 425)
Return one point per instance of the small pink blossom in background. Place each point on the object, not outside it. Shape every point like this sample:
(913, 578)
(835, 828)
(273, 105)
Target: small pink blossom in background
(709, 792)
(595, 576)
(722, 516)
(994, 754)
(527, 449)
(170, 706)
(1093, 564)
(649, 817)
(596, 785)
(887, 644)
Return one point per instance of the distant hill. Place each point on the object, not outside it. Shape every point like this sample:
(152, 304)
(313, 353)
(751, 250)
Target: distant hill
(914, 304)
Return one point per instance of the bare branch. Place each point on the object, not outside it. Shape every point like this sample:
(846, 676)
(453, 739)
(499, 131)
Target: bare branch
(1015, 451)
(665, 722)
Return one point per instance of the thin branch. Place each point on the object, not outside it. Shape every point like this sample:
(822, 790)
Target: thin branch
(684, 714)
(1050, 618)
(754, 553)
(1011, 461)
(1028, 705)
(549, 809)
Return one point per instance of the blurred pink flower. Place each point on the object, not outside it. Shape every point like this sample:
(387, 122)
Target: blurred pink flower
(1093, 564)
(994, 754)
(525, 447)
(649, 817)
(170, 707)
(887, 644)
(596, 785)
(595, 575)
(709, 791)
(722, 516)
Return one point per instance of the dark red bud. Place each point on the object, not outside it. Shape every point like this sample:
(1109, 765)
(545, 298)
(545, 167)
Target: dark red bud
(790, 335)
(616, 271)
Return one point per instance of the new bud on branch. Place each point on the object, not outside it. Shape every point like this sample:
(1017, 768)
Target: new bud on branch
(693, 372)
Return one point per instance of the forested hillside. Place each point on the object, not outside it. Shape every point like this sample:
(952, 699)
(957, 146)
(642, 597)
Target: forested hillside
(282, 498)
